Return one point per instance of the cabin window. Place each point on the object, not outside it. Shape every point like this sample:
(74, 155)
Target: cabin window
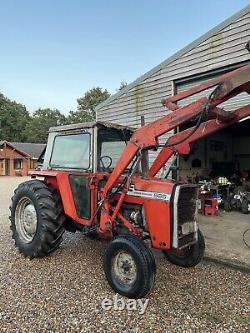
(71, 151)
(111, 143)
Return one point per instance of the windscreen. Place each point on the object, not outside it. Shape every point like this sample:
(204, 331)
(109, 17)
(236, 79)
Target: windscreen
(71, 151)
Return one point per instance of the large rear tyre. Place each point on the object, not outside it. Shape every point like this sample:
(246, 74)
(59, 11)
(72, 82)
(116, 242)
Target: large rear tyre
(37, 219)
(129, 266)
(189, 256)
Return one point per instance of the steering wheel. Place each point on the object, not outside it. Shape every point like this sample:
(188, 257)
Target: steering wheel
(103, 164)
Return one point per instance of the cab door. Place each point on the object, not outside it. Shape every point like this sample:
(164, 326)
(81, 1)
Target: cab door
(81, 190)
(71, 156)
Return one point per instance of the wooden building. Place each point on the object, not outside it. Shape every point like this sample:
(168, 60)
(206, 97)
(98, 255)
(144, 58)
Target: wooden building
(17, 159)
(220, 50)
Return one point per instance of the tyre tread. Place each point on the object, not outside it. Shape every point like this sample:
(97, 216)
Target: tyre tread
(193, 258)
(50, 218)
(147, 264)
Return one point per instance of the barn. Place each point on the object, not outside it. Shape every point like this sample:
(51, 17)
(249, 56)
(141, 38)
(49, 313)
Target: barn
(220, 50)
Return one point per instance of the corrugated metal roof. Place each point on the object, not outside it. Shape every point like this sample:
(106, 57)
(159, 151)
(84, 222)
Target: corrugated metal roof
(176, 56)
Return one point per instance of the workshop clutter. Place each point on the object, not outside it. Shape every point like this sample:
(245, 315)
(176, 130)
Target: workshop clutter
(224, 194)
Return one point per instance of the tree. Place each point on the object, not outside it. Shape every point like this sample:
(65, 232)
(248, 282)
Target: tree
(123, 84)
(13, 119)
(37, 128)
(75, 117)
(90, 100)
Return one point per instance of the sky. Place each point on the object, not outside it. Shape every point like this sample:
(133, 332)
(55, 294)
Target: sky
(53, 51)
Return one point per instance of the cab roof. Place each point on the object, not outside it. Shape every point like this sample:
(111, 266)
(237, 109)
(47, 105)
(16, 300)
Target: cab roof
(91, 124)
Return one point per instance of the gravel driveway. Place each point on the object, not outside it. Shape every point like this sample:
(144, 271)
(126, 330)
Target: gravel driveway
(63, 292)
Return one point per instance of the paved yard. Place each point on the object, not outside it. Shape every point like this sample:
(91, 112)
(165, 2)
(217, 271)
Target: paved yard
(63, 292)
(224, 236)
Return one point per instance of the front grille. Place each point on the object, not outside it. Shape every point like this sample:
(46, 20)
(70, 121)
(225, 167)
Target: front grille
(184, 217)
(187, 204)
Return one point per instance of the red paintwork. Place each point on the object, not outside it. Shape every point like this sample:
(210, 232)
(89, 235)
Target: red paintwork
(60, 181)
(157, 212)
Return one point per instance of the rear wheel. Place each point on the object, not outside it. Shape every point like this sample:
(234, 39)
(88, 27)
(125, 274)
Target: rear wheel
(37, 219)
(189, 256)
(129, 266)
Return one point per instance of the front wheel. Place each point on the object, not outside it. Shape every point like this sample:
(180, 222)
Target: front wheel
(129, 266)
(189, 256)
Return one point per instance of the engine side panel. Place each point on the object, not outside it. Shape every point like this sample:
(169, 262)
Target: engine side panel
(154, 195)
(158, 217)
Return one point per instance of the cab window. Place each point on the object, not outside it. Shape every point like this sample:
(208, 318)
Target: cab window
(111, 143)
(71, 151)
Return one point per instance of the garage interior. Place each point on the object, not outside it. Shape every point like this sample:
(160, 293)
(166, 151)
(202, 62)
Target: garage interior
(223, 154)
(219, 163)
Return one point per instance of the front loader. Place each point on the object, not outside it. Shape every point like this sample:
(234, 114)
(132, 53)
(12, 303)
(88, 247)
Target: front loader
(95, 179)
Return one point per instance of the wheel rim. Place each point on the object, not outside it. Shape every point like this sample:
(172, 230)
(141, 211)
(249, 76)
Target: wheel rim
(124, 268)
(26, 220)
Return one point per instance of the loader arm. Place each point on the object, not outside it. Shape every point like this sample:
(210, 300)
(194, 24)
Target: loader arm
(205, 129)
(146, 137)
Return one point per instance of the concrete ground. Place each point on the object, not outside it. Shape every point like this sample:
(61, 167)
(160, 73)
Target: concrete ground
(63, 292)
(224, 237)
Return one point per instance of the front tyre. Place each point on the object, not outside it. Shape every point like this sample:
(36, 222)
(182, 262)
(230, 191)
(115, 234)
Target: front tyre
(129, 266)
(37, 219)
(189, 256)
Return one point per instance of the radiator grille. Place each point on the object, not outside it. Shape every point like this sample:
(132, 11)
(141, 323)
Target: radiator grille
(187, 204)
(185, 209)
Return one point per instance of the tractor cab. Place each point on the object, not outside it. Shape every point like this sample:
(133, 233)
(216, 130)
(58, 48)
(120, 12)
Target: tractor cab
(81, 157)
(85, 147)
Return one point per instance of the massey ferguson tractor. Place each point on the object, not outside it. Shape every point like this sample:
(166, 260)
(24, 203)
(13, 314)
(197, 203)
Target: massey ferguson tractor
(96, 179)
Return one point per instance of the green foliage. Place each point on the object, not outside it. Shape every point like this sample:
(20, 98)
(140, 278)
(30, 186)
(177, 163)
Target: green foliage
(91, 99)
(75, 117)
(13, 119)
(37, 128)
(16, 123)
(123, 84)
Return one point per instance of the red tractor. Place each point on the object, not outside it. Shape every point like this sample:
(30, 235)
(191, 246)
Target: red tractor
(96, 179)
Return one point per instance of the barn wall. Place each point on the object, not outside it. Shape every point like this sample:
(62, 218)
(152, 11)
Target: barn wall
(224, 48)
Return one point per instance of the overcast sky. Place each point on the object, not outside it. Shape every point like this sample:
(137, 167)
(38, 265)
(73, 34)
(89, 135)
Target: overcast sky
(53, 51)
